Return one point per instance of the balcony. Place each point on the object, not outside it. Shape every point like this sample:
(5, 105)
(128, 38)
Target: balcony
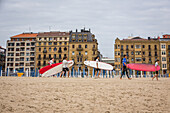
(80, 55)
(94, 49)
(59, 51)
(39, 58)
(44, 51)
(80, 49)
(127, 49)
(79, 63)
(38, 64)
(121, 49)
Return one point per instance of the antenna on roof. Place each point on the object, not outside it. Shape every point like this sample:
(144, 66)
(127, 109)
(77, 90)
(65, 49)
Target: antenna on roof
(49, 28)
(29, 29)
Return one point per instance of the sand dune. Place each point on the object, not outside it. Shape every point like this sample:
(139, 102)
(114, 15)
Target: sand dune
(84, 95)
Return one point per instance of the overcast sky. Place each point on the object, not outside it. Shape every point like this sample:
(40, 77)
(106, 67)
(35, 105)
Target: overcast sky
(107, 19)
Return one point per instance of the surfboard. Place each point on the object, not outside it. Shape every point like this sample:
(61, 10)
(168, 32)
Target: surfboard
(143, 67)
(101, 65)
(53, 69)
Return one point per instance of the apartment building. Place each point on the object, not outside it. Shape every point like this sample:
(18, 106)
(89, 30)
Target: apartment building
(137, 49)
(82, 46)
(51, 45)
(20, 52)
(2, 57)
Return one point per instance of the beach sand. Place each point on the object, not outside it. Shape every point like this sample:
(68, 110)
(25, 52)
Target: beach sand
(84, 95)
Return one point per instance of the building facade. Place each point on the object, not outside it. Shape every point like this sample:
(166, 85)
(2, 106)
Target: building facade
(165, 54)
(138, 50)
(51, 45)
(2, 57)
(20, 52)
(82, 46)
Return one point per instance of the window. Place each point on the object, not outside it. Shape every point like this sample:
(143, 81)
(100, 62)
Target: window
(118, 53)
(17, 44)
(79, 53)
(150, 60)
(143, 46)
(115, 53)
(65, 38)
(50, 49)
(55, 49)
(54, 55)
(55, 43)
(50, 39)
(79, 46)
(138, 59)
(93, 52)
(149, 53)
(118, 46)
(164, 65)
(156, 54)
(143, 53)
(127, 54)
(44, 63)
(59, 56)
(28, 44)
(85, 46)
(138, 53)
(65, 55)
(132, 53)
(163, 46)
(49, 55)
(121, 53)
(39, 43)
(163, 53)
(72, 46)
(44, 57)
(132, 59)
(163, 58)
(27, 59)
(143, 59)
(40, 39)
(73, 53)
(60, 43)
(137, 46)
(60, 38)
(65, 43)
(65, 49)
(27, 54)
(122, 47)
(85, 52)
(149, 46)
(49, 43)
(131, 46)
(115, 46)
(155, 46)
(93, 46)
(44, 43)
(126, 46)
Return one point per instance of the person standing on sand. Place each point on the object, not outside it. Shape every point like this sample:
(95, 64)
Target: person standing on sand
(156, 64)
(97, 69)
(51, 61)
(124, 65)
(65, 67)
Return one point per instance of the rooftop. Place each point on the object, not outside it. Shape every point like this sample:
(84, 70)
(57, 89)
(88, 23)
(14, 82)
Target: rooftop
(25, 35)
(53, 33)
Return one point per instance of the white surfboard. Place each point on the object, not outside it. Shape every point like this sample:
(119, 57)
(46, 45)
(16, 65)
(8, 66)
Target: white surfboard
(101, 65)
(56, 69)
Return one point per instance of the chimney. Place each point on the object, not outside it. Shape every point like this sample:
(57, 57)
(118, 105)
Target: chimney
(149, 38)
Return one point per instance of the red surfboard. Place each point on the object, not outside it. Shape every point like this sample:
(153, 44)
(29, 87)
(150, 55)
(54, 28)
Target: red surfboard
(46, 68)
(143, 67)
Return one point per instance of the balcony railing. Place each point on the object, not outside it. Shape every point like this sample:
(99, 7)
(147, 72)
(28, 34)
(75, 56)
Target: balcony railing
(44, 51)
(94, 49)
(79, 49)
(59, 51)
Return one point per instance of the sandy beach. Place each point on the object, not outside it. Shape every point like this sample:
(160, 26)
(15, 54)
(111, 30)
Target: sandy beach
(84, 95)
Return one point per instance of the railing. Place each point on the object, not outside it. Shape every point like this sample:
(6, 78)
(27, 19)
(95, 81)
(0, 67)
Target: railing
(80, 49)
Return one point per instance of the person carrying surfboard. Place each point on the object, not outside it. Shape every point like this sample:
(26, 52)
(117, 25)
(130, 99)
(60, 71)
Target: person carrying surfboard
(65, 67)
(97, 69)
(124, 63)
(156, 64)
(51, 61)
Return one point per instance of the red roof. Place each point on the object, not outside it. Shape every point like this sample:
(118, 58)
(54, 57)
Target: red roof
(23, 35)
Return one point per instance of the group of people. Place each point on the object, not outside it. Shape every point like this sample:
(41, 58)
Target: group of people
(124, 68)
(97, 70)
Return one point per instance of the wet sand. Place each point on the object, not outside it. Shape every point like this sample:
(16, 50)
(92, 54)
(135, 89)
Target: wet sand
(84, 95)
